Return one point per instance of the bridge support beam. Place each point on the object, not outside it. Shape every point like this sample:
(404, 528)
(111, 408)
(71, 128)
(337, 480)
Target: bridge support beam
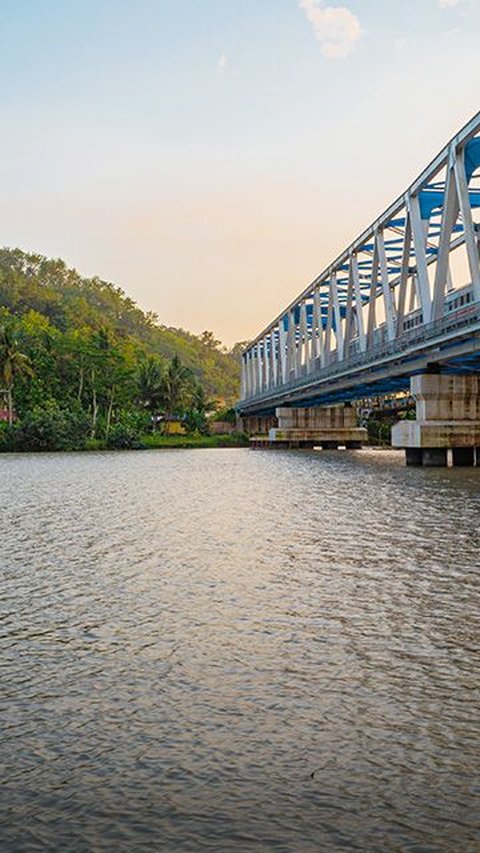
(447, 419)
(328, 427)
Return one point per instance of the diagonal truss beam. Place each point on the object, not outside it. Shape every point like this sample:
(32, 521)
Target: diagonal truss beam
(360, 299)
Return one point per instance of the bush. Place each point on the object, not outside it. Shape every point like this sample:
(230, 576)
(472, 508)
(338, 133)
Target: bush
(94, 444)
(8, 437)
(225, 414)
(234, 439)
(380, 430)
(195, 422)
(125, 433)
(158, 441)
(53, 427)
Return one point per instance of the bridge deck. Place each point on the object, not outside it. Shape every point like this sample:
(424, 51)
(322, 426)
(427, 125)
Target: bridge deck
(451, 344)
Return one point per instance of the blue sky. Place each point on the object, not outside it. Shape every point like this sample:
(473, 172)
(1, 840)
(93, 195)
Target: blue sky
(212, 156)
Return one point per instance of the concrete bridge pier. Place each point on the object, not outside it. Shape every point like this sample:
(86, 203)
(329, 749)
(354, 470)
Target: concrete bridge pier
(328, 427)
(447, 424)
(256, 424)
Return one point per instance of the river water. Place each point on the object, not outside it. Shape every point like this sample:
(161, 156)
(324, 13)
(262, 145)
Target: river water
(217, 650)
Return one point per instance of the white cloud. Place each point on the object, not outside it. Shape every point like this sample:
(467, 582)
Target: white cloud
(222, 63)
(336, 27)
(448, 4)
(400, 44)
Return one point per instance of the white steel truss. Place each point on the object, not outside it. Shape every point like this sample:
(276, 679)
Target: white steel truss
(399, 268)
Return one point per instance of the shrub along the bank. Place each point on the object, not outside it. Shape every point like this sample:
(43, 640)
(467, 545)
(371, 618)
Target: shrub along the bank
(156, 440)
(49, 427)
(226, 414)
(53, 430)
(7, 438)
(126, 433)
(53, 427)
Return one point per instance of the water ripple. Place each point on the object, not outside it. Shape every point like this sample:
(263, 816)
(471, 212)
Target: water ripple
(225, 650)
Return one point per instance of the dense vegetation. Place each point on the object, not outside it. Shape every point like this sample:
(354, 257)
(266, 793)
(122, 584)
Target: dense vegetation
(81, 365)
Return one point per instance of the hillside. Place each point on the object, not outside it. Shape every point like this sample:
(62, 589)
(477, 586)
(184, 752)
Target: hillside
(81, 365)
(69, 303)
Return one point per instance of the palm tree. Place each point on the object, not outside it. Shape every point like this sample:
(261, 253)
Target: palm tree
(202, 403)
(176, 388)
(150, 384)
(13, 363)
(199, 407)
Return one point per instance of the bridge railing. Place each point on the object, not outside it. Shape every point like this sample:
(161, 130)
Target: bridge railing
(444, 328)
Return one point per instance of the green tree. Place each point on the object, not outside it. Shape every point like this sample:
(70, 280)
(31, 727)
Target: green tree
(209, 340)
(107, 377)
(177, 385)
(13, 364)
(150, 382)
(77, 350)
(196, 414)
(40, 341)
(237, 350)
(53, 427)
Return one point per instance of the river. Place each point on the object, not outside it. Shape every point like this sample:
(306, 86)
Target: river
(229, 650)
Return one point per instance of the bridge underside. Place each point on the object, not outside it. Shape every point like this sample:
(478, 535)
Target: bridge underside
(460, 356)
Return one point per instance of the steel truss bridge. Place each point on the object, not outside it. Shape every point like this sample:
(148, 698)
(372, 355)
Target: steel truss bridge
(390, 306)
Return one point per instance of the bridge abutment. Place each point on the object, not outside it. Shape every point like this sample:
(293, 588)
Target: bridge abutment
(447, 419)
(328, 427)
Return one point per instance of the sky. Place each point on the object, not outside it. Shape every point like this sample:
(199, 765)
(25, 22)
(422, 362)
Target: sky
(211, 157)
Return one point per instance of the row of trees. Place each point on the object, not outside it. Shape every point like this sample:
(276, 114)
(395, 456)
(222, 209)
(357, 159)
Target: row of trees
(84, 387)
(81, 363)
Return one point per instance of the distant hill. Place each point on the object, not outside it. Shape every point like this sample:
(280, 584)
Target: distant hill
(71, 303)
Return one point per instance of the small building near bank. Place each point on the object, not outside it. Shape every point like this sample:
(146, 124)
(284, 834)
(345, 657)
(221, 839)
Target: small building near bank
(171, 425)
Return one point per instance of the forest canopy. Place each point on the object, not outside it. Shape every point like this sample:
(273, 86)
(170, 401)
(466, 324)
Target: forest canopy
(80, 360)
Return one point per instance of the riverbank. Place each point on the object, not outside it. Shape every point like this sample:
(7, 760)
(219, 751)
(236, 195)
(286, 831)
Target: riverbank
(141, 442)
(236, 439)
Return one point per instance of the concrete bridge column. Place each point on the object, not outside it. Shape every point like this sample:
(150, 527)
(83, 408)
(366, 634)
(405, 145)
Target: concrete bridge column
(447, 419)
(256, 424)
(328, 427)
